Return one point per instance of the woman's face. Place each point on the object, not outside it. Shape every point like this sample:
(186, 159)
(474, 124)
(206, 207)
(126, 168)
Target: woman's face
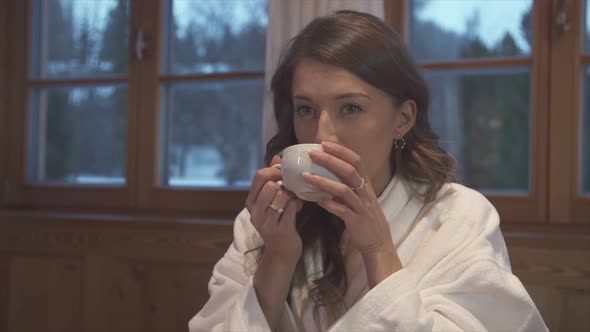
(332, 104)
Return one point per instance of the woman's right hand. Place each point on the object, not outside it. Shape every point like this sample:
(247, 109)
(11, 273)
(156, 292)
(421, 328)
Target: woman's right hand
(278, 231)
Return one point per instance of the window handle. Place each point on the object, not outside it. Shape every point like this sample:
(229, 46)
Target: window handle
(563, 22)
(141, 45)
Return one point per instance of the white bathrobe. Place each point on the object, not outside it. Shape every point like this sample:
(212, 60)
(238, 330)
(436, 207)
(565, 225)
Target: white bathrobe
(456, 275)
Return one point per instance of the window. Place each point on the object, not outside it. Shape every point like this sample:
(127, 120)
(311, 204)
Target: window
(479, 61)
(502, 99)
(78, 92)
(148, 108)
(137, 104)
(212, 90)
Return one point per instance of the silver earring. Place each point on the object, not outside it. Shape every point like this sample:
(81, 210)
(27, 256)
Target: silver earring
(399, 143)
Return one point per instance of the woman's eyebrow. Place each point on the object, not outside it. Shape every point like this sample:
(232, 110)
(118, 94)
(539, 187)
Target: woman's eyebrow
(302, 97)
(339, 96)
(351, 94)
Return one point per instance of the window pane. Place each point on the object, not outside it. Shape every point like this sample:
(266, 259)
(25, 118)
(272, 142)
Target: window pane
(216, 36)
(212, 133)
(443, 30)
(585, 134)
(483, 119)
(81, 38)
(77, 135)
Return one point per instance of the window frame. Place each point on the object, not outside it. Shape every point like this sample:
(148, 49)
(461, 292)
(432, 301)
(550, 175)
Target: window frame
(20, 192)
(141, 192)
(555, 65)
(208, 202)
(531, 208)
(566, 205)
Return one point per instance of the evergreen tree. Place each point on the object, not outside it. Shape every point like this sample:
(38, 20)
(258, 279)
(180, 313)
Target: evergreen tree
(60, 137)
(58, 157)
(185, 48)
(61, 31)
(85, 44)
(114, 50)
(115, 38)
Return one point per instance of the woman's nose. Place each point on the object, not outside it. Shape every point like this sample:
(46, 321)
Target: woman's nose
(326, 129)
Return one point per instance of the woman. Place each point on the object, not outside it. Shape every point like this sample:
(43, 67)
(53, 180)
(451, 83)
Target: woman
(398, 247)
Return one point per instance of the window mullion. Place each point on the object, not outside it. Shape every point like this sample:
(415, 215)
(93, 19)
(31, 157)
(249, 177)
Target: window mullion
(148, 97)
(564, 99)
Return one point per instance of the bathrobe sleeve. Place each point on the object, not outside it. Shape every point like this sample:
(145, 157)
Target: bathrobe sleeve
(459, 280)
(233, 305)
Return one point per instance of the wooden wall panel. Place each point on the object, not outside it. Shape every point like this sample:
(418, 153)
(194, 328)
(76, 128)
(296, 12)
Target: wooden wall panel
(64, 295)
(173, 295)
(89, 275)
(28, 294)
(562, 309)
(4, 290)
(567, 269)
(112, 295)
(45, 294)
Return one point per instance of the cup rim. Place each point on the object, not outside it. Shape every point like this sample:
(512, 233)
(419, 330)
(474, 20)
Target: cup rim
(300, 147)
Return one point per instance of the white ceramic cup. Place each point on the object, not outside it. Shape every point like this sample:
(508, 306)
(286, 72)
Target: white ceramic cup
(296, 161)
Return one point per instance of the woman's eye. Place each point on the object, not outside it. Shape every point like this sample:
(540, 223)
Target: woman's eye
(351, 109)
(304, 111)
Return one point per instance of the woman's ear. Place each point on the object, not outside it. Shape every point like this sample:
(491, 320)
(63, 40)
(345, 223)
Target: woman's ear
(407, 117)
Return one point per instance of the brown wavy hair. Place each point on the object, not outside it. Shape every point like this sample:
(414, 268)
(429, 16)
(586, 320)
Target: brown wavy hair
(370, 49)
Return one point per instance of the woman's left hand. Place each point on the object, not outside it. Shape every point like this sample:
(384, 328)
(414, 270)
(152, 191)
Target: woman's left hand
(367, 227)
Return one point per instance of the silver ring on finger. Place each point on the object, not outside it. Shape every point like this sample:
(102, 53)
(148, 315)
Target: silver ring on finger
(277, 209)
(360, 186)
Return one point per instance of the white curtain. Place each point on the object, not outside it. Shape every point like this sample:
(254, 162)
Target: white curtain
(285, 19)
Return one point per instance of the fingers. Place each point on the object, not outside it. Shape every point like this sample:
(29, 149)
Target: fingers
(275, 161)
(336, 209)
(280, 200)
(342, 169)
(262, 176)
(260, 205)
(288, 219)
(347, 155)
(336, 189)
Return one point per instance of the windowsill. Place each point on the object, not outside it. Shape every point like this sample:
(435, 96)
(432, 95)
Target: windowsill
(130, 217)
(524, 231)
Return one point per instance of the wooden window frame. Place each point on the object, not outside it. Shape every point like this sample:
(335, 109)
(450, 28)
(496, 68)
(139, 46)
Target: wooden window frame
(555, 95)
(207, 202)
(141, 193)
(567, 61)
(19, 192)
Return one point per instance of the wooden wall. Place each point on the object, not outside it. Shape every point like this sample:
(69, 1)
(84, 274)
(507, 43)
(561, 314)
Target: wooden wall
(62, 273)
(118, 275)
(554, 265)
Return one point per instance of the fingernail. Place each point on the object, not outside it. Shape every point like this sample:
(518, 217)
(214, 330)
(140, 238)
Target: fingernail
(307, 175)
(326, 144)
